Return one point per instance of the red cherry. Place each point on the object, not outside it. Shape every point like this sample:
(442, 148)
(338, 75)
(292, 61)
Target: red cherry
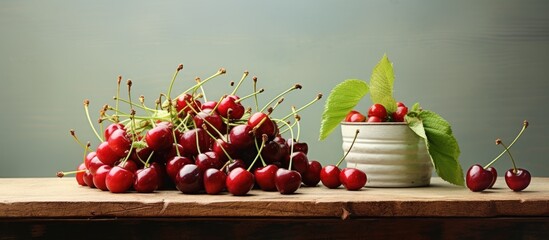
(265, 177)
(163, 179)
(222, 148)
(355, 116)
(352, 179)
(287, 181)
(208, 160)
(130, 165)
(267, 125)
(100, 177)
(88, 159)
(230, 103)
(119, 142)
(189, 140)
(183, 102)
(159, 138)
(237, 163)
(400, 114)
(377, 110)
(494, 176)
(519, 180)
(146, 180)
(189, 179)
(209, 105)
(400, 104)
(88, 179)
(271, 152)
(329, 175)
(119, 180)
(478, 178)
(300, 162)
(214, 181)
(111, 128)
(106, 154)
(175, 164)
(311, 177)
(241, 137)
(239, 182)
(80, 175)
(374, 119)
(95, 164)
(210, 119)
(298, 146)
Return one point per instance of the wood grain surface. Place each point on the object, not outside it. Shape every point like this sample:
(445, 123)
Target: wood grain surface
(61, 198)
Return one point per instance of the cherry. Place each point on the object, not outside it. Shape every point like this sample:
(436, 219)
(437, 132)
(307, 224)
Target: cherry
(189, 141)
(209, 119)
(329, 175)
(80, 174)
(95, 164)
(400, 114)
(265, 177)
(230, 102)
(352, 179)
(240, 181)
(100, 177)
(300, 162)
(377, 110)
(209, 105)
(88, 158)
(146, 180)
(176, 148)
(241, 136)
(175, 164)
(494, 175)
(159, 138)
(214, 181)
(208, 160)
(262, 124)
(189, 179)
(374, 119)
(88, 179)
(287, 181)
(355, 116)
(111, 128)
(298, 146)
(130, 165)
(163, 178)
(478, 178)
(119, 142)
(271, 152)
(517, 179)
(222, 149)
(236, 163)
(183, 104)
(106, 154)
(311, 177)
(400, 104)
(119, 180)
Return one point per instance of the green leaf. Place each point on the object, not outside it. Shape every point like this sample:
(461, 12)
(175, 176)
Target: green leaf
(342, 99)
(441, 143)
(381, 84)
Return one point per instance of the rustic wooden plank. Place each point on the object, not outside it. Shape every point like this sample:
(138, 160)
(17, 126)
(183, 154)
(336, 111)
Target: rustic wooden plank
(276, 228)
(52, 197)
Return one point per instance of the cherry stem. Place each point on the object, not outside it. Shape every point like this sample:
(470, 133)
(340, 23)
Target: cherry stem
(263, 140)
(118, 94)
(297, 119)
(499, 142)
(255, 96)
(61, 174)
(292, 137)
(318, 97)
(146, 164)
(73, 134)
(201, 89)
(296, 86)
(221, 71)
(214, 138)
(259, 152)
(348, 151)
(179, 68)
(86, 151)
(277, 103)
(244, 75)
(251, 95)
(524, 126)
(87, 110)
(175, 141)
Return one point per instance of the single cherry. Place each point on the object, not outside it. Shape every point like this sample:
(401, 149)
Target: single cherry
(159, 138)
(355, 116)
(106, 154)
(214, 181)
(187, 104)
(300, 162)
(191, 138)
(400, 114)
(517, 179)
(329, 175)
(208, 160)
(240, 181)
(241, 136)
(80, 174)
(119, 180)
(230, 102)
(88, 179)
(175, 164)
(494, 175)
(146, 180)
(265, 177)
(352, 179)
(298, 146)
(189, 180)
(478, 178)
(100, 177)
(111, 128)
(374, 119)
(311, 177)
(287, 181)
(263, 124)
(377, 110)
(119, 142)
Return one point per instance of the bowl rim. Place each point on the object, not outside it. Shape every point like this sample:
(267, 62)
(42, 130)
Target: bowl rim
(373, 123)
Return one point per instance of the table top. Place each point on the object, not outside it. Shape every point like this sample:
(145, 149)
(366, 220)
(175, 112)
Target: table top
(64, 198)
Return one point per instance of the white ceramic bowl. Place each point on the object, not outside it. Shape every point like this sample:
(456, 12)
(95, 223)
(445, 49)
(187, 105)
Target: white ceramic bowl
(390, 154)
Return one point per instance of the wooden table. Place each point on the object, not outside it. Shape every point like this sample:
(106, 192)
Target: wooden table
(59, 208)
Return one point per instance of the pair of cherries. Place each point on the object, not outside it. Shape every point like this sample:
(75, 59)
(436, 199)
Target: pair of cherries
(479, 178)
(378, 113)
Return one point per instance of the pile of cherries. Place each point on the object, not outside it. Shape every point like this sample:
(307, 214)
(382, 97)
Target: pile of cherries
(199, 146)
(378, 113)
(479, 178)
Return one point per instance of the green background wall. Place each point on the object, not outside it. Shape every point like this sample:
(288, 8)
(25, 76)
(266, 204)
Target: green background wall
(483, 65)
